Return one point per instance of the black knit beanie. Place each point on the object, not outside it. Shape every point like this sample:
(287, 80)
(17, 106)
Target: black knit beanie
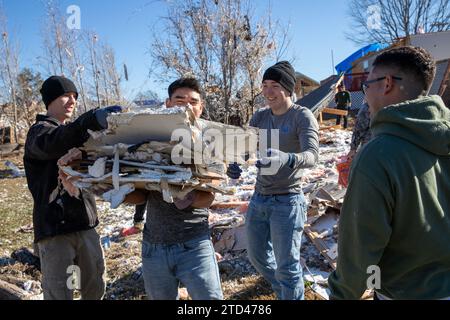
(56, 86)
(283, 73)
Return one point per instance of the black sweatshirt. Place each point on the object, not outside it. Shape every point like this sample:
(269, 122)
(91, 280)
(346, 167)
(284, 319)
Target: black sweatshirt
(47, 141)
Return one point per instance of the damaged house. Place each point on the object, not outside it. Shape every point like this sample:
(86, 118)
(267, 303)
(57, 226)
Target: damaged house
(6, 130)
(354, 70)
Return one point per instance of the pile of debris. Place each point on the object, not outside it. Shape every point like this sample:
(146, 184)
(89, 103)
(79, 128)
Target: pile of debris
(165, 150)
(12, 172)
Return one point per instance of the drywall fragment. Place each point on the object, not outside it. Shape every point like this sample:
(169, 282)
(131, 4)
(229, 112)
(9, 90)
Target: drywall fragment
(166, 192)
(97, 170)
(116, 197)
(72, 173)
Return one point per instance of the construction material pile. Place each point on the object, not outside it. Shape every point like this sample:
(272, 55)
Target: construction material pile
(165, 150)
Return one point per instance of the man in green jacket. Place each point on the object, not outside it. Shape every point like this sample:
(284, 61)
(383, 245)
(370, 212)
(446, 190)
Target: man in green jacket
(394, 228)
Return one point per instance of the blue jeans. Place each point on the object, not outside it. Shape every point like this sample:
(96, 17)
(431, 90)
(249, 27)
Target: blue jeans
(274, 231)
(192, 263)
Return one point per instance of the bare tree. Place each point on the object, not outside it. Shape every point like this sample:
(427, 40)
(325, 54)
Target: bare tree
(55, 39)
(105, 77)
(221, 44)
(91, 43)
(384, 21)
(28, 95)
(110, 75)
(9, 67)
(76, 65)
(63, 48)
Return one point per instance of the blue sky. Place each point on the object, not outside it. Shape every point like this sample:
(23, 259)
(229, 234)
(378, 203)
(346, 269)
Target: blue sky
(316, 28)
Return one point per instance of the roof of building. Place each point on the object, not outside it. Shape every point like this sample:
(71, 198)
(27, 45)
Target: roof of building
(305, 77)
(320, 97)
(347, 64)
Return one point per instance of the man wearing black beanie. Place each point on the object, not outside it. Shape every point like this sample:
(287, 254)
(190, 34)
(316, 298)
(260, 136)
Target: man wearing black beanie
(64, 231)
(56, 86)
(277, 210)
(283, 73)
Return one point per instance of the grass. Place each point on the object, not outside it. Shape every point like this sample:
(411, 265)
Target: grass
(16, 210)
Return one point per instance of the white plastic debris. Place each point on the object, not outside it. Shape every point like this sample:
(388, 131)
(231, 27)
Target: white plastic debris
(16, 172)
(116, 197)
(97, 170)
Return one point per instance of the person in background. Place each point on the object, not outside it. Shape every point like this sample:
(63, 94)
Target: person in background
(343, 102)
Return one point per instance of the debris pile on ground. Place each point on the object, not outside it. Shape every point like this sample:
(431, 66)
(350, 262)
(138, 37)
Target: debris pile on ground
(20, 276)
(12, 171)
(227, 218)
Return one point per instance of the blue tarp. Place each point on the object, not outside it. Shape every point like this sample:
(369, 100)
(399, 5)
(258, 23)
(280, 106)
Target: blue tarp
(346, 65)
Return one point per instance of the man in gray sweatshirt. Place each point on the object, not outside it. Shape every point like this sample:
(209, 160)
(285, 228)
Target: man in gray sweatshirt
(277, 210)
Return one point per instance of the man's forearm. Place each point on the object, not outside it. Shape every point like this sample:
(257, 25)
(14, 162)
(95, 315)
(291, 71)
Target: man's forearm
(305, 159)
(202, 199)
(137, 197)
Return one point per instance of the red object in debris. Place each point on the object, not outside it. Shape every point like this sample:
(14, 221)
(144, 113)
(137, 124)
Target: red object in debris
(344, 171)
(243, 208)
(125, 232)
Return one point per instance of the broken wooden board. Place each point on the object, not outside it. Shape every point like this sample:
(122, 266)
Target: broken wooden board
(325, 225)
(330, 194)
(224, 205)
(320, 230)
(328, 252)
(9, 291)
(232, 240)
(335, 111)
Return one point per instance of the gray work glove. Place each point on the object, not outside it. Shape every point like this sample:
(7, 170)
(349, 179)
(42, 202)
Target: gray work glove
(274, 161)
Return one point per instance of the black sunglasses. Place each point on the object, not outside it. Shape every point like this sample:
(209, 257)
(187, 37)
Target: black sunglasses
(365, 84)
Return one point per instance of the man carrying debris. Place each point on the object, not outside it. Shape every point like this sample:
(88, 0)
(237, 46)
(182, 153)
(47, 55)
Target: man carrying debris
(63, 225)
(176, 244)
(343, 100)
(277, 210)
(395, 222)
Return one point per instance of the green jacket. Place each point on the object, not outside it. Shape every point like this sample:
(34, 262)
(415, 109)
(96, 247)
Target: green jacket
(396, 213)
